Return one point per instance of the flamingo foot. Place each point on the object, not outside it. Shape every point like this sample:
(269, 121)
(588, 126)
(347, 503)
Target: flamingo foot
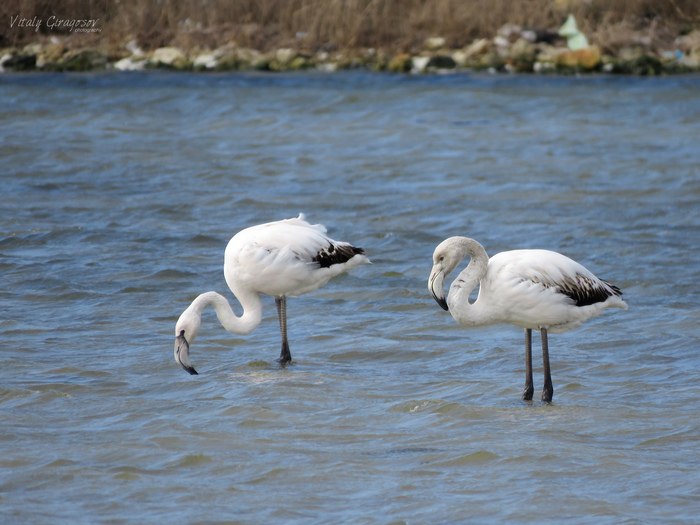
(547, 393)
(285, 355)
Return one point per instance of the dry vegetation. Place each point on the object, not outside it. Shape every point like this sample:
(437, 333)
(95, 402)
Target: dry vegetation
(392, 25)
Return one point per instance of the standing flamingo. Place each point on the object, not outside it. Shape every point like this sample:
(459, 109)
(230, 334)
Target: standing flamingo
(528, 288)
(282, 259)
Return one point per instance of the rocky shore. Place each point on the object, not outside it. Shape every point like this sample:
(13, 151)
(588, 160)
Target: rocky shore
(512, 49)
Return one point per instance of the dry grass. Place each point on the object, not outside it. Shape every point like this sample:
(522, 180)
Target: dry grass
(394, 25)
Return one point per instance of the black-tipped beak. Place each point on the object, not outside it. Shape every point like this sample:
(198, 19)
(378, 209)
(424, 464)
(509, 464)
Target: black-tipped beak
(182, 353)
(442, 302)
(436, 287)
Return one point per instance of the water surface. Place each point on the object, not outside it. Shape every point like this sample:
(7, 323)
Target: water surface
(120, 192)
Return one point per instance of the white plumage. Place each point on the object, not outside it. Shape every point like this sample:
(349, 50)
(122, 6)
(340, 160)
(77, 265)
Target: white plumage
(533, 289)
(282, 259)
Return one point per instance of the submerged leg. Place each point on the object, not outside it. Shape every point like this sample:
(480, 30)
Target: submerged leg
(548, 390)
(285, 354)
(529, 388)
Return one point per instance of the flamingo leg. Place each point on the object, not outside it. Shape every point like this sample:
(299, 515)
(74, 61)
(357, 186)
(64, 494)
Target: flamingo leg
(529, 388)
(548, 390)
(285, 354)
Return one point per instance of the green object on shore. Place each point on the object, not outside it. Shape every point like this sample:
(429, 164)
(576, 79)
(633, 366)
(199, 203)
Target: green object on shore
(575, 39)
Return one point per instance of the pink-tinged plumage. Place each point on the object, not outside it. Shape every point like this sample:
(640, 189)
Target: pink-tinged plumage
(283, 259)
(533, 289)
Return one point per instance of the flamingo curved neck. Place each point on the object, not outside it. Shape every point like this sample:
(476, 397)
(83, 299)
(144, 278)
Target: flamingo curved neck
(252, 311)
(463, 311)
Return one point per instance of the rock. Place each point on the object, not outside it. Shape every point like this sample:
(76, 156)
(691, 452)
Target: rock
(286, 59)
(434, 43)
(83, 60)
(509, 32)
(478, 47)
(630, 53)
(544, 67)
(300, 62)
(588, 57)
(336, 61)
(131, 64)
(471, 56)
(585, 58)
(550, 54)
(530, 35)
(5, 57)
(285, 56)
(419, 64)
(501, 45)
(169, 57)
(18, 61)
(544, 36)
(441, 62)
(377, 61)
(297, 63)
(460, 58)
(644, 65)
(32, 49)
(635, 60)
(226, 58)
(522, 55)
(205, 61)
(327, 67)
(230, 57)
(52, 53)
(253, 59)
(689, 44)
(504, 38)
(401, 63)
(675, 62)
(691, 61)
(348, 62)
(491, 61)
(567, 59)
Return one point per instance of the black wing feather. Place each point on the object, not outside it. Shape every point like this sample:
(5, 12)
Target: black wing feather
(336, 254)
(586, 291)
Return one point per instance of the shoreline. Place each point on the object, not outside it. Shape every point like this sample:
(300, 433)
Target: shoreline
(512, 49)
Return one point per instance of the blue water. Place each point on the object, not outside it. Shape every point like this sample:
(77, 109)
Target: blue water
(120, 192)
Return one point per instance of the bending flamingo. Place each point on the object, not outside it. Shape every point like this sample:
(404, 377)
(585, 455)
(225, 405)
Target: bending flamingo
(533, 289)
(282, 259)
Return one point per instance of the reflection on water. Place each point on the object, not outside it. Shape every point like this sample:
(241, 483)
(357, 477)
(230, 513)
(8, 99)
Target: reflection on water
(120, 192)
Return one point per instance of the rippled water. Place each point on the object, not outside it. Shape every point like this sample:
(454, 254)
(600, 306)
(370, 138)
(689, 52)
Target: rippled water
(120, 192)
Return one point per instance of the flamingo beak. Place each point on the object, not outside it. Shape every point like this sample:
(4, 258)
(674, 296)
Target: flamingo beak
(436, 286)
(182, 353)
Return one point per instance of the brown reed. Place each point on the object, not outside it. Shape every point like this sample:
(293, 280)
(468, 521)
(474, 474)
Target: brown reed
(392, 25)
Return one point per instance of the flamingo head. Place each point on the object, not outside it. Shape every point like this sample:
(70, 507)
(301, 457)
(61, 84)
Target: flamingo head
(186, 330)
(446, 257)
(436, 281)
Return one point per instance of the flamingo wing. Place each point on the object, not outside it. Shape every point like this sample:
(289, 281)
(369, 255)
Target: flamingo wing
(287, 258)
(544, 288)
(549, 270)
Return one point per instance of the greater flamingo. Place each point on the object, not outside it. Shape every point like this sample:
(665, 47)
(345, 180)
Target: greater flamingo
(283, 259)
(528, 288)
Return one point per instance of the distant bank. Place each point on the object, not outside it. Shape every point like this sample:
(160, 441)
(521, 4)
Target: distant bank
(622, 36)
